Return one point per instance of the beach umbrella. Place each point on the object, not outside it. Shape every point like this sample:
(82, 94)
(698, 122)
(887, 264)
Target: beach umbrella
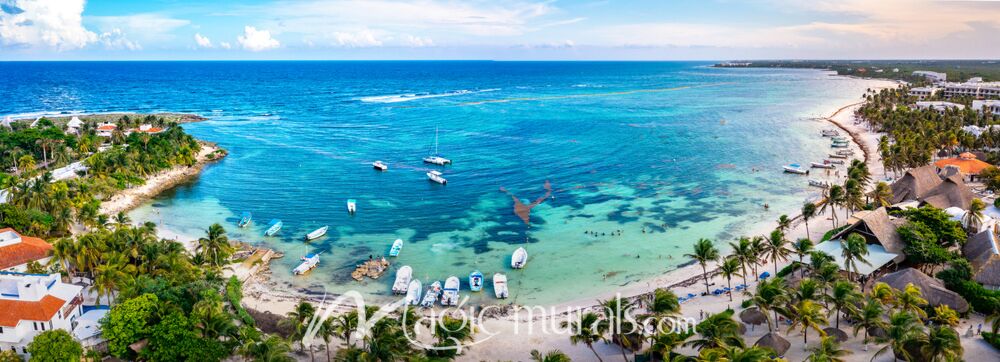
(838, 334)
(765, 275)
(743, 328)
(753, 316)
(774, 342)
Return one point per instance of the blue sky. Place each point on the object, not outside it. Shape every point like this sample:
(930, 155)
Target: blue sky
(502, 30)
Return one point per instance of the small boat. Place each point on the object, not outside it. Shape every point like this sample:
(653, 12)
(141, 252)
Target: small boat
(476, 281)
(379, 165)
(431, 295)
(318, 233)
(500, 285)
(519, 259)
(436, 177)
(796, 169)
(245, 219)
(839, 145)
(840, 142)
(397, 246)
(402, 283)
(835, 162)
(413, 292)
(436, 158)
(352, 205)
(839, 139)
(273, 227)
(818, 183)
(450, 296)
(845, 152)
(821, 165)
(829, 133)
(308, 263)
(834, 155)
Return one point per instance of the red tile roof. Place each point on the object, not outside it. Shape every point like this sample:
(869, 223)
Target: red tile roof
(148, 130)
(107, 127)
(29, 249)
(14, 311)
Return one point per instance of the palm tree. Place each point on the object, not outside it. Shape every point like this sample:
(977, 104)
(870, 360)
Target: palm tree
(718, 330)
(452, 331)
(770, 296)
(328, 330)
(869, 317)
(882, 195)
(833, 198)
(828, 350)
(802, 247)
(854, 248)
(776, 248)
(617, 325)
(808, 315)
(808, 211)
(784, 223)
(757, 245)
(270, 349)
(942, 345)
(730, 267)
(883, 293)
(215, 247)
(974, 217)
(743, 251)
(844, 296)
(910, 299)
(944, 315)
(586, 331)
(704, 252)
(551, 356)
(63, 253)
(121, 219)
(664, 343)
(903, 328)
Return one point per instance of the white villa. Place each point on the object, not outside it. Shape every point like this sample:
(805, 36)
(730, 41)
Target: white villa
(34, 303)
(16, 251)
(939, 106)
(991, 106)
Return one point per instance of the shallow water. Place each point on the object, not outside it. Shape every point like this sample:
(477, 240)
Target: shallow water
(663, 152)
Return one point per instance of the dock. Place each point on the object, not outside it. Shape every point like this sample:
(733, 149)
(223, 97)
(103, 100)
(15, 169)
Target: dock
(373, 268)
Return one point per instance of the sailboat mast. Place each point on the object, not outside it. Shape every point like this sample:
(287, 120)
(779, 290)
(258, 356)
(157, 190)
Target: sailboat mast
(435, 141)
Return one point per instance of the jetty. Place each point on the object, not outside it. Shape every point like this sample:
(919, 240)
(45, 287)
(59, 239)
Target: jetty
(373, 268)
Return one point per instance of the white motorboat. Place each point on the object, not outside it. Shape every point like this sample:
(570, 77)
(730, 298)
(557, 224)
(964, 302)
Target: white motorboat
(379, 165)
(308, 263)
(450, 296)
(318, 233)
(821, 165)
(431, 295)
(845, 152)
(436, 177)
(818, 183)
(402, 283)
(352, 206)
(835, 162)
(830, 133)
(796, 169)
(273, 227)
(397, 246)
(476, 280)
(500, 285)
(413, 292)
(839, 145)
(519, 259)
(836, 155)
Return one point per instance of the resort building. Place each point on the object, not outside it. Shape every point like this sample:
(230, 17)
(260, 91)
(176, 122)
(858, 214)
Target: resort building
(933, 290)
(978, 90)
(885, 246)
(923, 93)
(991, 106)
(977, 131)
(966, 163)
(939, 106)
(147, 129)
(983, 253)
(106, 129)
(16, 251)
(924, 186)
(934, 77)
(32, 304)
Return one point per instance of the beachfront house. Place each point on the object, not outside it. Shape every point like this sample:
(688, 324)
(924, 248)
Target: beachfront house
(926, 187)
(990, 106)
(146, 128)
(32, 304)
(933, 77)
(17, 250)
(106, 129)
(983, 253)
(885, 246)
(966, 164)
(923, 93)
(939, 106)
(932, 289)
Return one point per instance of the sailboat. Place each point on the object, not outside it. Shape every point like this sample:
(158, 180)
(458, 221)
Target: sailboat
(476, 281)
(431, 295)
(318, 233)
(436, 158)
(450, 296)
(519, 258)
(500, 285)
(397, 246)
(402, 283)
(273, 227)
(245, 219)
(413, 292)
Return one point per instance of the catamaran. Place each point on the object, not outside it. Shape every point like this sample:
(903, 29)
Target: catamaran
(476, 281)
(436, 177)
(397, 246)
(352, 205)
(273, 227)
(379, 165)
(245, 219)
(431, 295)
(403, 276)
(308, 263)
(413, 292)
(436, 158)
(796, 168)
(519, 258)
(500, 285)
(318, 233)
(450, 296)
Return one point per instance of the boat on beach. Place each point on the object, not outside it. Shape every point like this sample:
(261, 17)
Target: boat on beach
(829, 133)
(436, 177)
(352, 206)
(397, 246)
(476, 281)
(413, 292)
(402, 283)
(839, 145)
(450, 296)
(519, 259)
(379, 165)
(821, 165)
(835, 155)
(835, 162)
(839, 139)
(273, 227)
(431, 295)
(308, 263)
(436, 159)
(796, 169)
(318, 233)
(845, 152)
(245, 219)
(500, 285)
(818, 183)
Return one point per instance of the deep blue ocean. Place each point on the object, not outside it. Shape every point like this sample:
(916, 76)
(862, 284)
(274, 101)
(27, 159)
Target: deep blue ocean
(664, 152)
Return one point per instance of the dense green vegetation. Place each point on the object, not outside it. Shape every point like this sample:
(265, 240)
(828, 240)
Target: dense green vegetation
(957, 70)
(55, 346)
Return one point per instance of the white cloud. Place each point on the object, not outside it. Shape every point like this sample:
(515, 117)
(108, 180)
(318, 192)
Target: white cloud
(225, 45)
(116, 40)
(147, 27)
(416, 41)
(257, 40)
(202, 41)
(44, 23)
(359, 39)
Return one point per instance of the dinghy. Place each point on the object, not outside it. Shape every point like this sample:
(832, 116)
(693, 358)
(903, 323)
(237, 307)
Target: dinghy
(245, 219)
(379, 165)
(796, 169)
(436, 177)
(273, 227)
(413, 292)
(403, 276)
(500, 285)
(318, 233)
(476, 281)
(519, 258)
(352, 205)
(431, 295)
(450, 296)
(397, 246)
(308, 263)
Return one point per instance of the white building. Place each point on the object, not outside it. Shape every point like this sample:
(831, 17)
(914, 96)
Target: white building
(991, 106)
(980, 90)
(106, 129)
(939, 106)
(923, 93)
(74, 124)
(32, 304)
(934, 77)
(16, 251)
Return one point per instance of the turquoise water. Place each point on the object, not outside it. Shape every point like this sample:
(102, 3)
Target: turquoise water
(663, 152)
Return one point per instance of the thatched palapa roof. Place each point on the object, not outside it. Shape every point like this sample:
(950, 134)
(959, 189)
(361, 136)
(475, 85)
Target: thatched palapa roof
(753, 316)
(876, 227)
(774, 342)
(952, 192)
(915, 183)
(838, 334)
(933, 290)
(983, 252)
(924, 184)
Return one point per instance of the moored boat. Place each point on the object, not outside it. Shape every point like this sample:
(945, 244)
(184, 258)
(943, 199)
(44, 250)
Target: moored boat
(796, 169)
(838, 145)
(352, 205)
(379, 165)
(834, 155)
(835, 162)
(397, 246)
(308, 263)
(500, 285)
(821, 165)
(273, 227)
(245, 219)
(519, 259)
(436, 158)
(829, 133)
(436, 177)
(839, 139)
(476, 281)
(413, 292)
(431, 295)
(451, 286)
(318, 233)
(403, 276)
(818, 183)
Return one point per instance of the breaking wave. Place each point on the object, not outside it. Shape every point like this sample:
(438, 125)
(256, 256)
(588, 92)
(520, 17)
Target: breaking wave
(396, 98)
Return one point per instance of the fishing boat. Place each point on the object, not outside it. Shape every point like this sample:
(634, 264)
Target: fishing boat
(476, 281)
(308, 263)
(436, 177)
(379, 165)
(273, 227)
(840, 142)
(318, 233)
(500, 285)
(413, 292)
(431, 295)
(829, 133)
(436, 158)
(796, 169)
(403, 276)
(839, 145)
(352, 205)
(397, 246)
(245, 219)
(821, 165)
(839, 139)
(818, 183)
(519, 259)
(835, 162)
(834, 155)
(450, 296)
(845, 152)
